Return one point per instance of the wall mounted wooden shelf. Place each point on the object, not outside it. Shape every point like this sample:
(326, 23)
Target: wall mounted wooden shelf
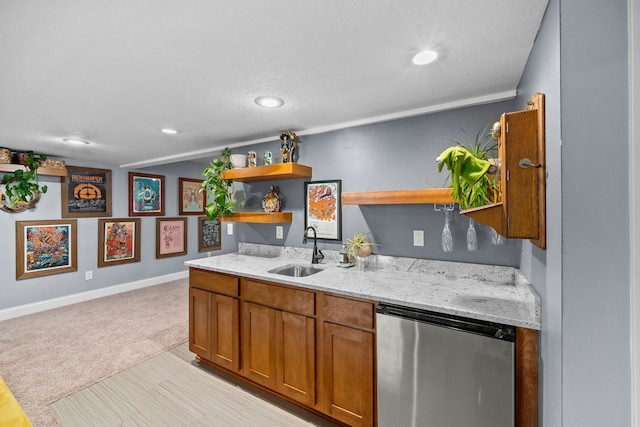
(398, 197)
(263, 173)
(521, 212)
(259, 217)
(11, 167)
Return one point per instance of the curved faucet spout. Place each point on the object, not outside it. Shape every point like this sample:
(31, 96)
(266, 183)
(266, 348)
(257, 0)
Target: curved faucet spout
(317, 254)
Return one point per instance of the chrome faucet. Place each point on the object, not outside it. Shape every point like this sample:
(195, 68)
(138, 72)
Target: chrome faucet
(317, 253)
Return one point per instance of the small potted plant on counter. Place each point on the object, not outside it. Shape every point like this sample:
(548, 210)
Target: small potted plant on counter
(359, 246)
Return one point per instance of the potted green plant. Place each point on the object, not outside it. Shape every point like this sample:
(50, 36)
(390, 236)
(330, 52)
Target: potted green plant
(21, 188)
(485, 189)
(219, 189)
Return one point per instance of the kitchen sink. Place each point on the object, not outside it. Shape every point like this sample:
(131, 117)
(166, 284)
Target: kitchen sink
(296, 270)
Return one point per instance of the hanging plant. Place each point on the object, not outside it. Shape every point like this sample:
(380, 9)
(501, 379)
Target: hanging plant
(21, 188)
(220, 190)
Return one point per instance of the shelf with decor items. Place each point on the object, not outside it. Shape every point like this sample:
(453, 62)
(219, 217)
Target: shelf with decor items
(520, 211)
(12, 167)
(262, 173)
(398, 197)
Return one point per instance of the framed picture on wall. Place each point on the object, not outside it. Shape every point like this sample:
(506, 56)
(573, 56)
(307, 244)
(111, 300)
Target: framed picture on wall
(86, 192)
(146, 194)
(171, 237)
(209, 235)
(323, 208)
(193, 198)
(45, 247)
(118, 241)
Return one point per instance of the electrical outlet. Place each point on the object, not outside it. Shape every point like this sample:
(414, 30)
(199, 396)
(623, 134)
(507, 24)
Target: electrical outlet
(230, 229)
(279, 232)
(88, 275)
(209, 253)
(418, 237)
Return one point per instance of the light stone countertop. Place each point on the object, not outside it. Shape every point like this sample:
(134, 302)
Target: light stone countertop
(485, 292)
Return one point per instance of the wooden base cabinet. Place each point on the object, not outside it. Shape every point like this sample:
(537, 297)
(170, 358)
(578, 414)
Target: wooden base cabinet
(214, 319)
(347, 387)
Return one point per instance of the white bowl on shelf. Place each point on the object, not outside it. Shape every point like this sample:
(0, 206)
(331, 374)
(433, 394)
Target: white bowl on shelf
(238, 160)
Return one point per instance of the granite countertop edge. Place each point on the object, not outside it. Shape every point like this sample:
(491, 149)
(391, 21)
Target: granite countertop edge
(491, 293)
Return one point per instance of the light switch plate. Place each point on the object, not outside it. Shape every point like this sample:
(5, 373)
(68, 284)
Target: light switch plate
(230, 229)
(418, 237)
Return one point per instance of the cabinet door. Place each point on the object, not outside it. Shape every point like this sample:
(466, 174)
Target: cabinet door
(258, 344)
(225, 334)
(200, 323)
(295, 357)
(347, 389)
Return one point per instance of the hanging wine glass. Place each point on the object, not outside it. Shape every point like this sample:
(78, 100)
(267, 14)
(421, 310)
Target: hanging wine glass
(496, 238)
(472, 237)
(447, 238)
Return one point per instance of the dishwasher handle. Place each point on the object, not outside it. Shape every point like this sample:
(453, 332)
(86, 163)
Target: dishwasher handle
(480, 327)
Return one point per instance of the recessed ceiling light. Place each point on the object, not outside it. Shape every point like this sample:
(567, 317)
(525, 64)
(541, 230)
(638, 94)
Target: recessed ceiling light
(269, 101)
(169, 131)
(425, 57)
(75, 141)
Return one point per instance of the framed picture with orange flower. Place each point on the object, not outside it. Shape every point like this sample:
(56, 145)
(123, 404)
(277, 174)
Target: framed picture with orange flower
(323, 208)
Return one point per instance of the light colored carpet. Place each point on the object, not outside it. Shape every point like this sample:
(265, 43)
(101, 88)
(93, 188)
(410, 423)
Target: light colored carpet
(49, 355)
(173, 390)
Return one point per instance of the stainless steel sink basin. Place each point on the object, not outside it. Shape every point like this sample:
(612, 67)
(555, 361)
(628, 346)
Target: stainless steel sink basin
(296, 270)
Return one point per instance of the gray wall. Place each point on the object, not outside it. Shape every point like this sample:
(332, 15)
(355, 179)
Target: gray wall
(387, 156)
(19, 292)
(396, 155)
(583, 277)
(595, 207)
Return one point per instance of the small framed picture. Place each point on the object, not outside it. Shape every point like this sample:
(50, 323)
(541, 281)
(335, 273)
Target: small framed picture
(46, 247)
(146, 194)
(209, 236)
(193, 198)
(171, 237)
(86, 192)
(118, 241)
(323, 209)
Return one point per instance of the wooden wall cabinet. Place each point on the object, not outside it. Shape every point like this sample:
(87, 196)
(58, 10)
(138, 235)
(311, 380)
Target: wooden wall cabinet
(521, 210)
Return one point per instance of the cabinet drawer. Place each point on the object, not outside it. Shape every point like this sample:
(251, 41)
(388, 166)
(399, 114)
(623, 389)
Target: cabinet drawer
(288, 299)
(213, 282)
(349, 311)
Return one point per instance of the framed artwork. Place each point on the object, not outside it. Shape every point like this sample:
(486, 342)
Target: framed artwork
(146, 194)
(86, 192)
(323, 208)
(46, 247)
(171, 237)
(209, 235)
(118, 241)
(193, 198)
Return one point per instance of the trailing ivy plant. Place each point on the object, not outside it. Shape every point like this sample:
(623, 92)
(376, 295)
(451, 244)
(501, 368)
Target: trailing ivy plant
(22, 186)
(219, 190)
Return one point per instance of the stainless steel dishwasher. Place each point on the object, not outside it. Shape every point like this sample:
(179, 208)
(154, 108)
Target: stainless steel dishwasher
(437, 370)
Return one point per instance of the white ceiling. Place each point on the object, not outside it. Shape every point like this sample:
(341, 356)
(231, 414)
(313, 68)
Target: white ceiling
(115, 72)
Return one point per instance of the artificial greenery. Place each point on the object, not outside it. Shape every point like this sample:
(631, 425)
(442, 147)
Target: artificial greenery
(219, 190)
(485, 189)
(22, 186)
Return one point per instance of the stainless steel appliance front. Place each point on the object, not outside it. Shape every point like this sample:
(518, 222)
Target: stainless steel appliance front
(443, 371)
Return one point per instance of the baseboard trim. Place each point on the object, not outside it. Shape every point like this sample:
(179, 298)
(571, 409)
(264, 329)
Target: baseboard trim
(23, 310)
